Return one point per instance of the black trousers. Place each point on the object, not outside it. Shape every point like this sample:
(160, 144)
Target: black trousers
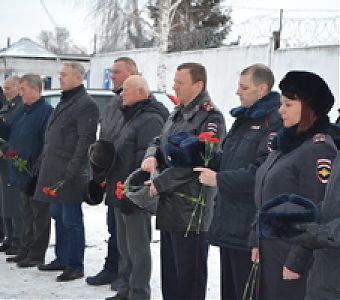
(184, 265)
(37, 227)
(235, 269)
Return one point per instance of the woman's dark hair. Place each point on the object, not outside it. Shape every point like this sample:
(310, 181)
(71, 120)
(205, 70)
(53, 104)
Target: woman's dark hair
(308, 118)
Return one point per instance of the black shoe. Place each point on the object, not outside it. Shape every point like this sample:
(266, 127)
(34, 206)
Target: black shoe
(70, 274)
(29, 263)
(4, 247)
(103, 277)
(17, 258)
(54, 265)
(13, 250)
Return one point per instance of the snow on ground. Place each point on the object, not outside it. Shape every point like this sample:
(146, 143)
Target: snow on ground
(16, 283)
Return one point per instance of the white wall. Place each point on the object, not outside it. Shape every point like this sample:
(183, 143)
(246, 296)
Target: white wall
(224, 66)
(43, 67)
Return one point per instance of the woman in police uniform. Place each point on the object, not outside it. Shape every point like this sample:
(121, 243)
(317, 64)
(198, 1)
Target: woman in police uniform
(300, 163)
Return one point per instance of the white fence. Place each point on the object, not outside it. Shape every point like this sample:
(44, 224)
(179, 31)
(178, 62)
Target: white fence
(224, 66)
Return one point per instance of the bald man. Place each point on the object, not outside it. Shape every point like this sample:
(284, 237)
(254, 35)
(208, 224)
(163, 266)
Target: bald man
(135, 122)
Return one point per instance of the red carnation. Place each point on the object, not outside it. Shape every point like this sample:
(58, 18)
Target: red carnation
(10, 154)
(213, 140)
(204, 136)
(119, 191)
(102, 184)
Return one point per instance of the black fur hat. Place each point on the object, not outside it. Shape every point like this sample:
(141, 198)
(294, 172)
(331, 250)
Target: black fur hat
(310, 88)
(278, 216)
(101, 154)
(94, 193)
(184, 150)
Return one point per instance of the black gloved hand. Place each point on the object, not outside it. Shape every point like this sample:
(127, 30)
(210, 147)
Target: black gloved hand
(127, 207)
(30, 186)
(308, 237)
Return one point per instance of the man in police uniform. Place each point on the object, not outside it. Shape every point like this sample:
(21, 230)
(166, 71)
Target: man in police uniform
(244, 150)
(183, 257)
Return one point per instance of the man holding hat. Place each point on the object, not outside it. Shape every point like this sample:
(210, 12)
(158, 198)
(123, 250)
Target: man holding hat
(137, 120)
(183, 252)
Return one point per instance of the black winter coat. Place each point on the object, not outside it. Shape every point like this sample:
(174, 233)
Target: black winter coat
(174, 211)
(10, 196)
(71, 129)
(244, 150)
(324, 276)
(295, 167)
(26, 130)
(131, 129)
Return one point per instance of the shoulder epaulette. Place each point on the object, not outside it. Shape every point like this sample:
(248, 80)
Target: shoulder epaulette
(208, 106)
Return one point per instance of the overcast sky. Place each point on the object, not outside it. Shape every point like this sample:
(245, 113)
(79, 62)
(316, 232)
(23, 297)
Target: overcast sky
(22, 18)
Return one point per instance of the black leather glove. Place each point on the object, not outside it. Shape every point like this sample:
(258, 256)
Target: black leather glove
(127, 207)
(30, 186)
(309, 236)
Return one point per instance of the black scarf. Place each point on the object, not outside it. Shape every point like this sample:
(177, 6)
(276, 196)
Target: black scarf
(288, 139)
(130, 110)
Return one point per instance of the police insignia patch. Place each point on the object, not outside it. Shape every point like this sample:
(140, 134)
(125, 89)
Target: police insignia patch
(270, 141)
(323, 169)
(319, 138)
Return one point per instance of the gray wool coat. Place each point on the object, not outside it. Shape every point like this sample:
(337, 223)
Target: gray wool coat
(71, 129)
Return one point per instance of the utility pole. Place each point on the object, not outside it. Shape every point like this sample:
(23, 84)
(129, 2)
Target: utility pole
(277, 34)
(95, 44)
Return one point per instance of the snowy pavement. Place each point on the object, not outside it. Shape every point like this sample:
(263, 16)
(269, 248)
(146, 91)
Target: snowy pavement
(16, 283)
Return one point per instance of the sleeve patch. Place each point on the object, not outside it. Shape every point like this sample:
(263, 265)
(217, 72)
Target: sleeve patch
(323, 169)
(212, 127)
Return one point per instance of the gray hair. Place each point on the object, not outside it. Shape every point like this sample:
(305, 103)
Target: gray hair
(260, 73)
(14, 79)
(76, 67)
(32, 80)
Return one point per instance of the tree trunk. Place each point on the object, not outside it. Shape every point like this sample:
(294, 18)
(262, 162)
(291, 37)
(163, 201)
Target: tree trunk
(167, 11)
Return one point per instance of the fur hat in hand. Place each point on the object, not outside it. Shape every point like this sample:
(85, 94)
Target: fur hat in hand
(277, 217)
(94, 193)
(310, 88)
(138, 193)
(184, 150)
(101, 155)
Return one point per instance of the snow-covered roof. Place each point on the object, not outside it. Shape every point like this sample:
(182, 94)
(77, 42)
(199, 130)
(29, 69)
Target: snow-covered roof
(26, 48)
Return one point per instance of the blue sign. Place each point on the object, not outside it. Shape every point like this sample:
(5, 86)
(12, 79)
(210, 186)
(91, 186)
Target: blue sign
(107, 79)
